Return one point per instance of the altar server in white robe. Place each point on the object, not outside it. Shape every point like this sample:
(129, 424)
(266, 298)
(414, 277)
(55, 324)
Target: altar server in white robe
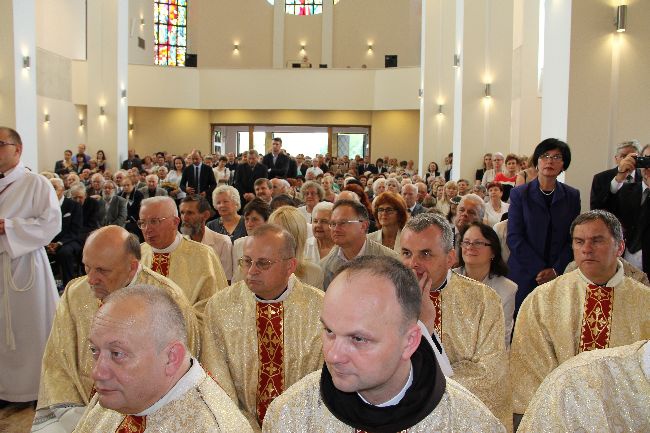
(30, 217)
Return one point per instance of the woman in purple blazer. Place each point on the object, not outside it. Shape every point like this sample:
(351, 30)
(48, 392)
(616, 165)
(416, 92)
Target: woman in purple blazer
(539, 219)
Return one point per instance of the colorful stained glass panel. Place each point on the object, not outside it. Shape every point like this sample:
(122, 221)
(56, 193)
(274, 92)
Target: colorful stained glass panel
(170, 25)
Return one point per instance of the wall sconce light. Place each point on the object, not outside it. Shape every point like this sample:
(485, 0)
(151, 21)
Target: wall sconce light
(81, 122)
(235, 47)
(621, 15)
(420, 93)
(142, 21)
(302, 48)
(130, 126)
(370, 48)
(47, 118)
(26, 62)
(440, 109)
(488, 91)
(456, 60)
(123, 93)
(102, 110)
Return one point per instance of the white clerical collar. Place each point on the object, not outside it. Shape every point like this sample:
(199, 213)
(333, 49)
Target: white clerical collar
(395, 400)
(171, 247)
(646, 360)
(290, 285)
(191, 379)
(613, 282)
(444, 283)
(362, 251)
(135, 277)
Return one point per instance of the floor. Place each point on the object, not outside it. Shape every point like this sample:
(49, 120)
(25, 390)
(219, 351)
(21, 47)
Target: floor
(16, 418)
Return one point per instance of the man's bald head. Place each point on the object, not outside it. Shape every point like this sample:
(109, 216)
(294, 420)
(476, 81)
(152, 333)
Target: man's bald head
(116, 239)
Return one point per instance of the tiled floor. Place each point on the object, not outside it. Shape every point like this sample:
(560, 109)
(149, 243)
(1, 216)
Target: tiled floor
(16, 419)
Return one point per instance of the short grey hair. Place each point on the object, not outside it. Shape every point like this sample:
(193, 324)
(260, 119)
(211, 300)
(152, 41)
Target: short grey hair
(376, 182)
(164, 200)
(315, 185)
(477, 200)
(630, 143)
(423, 221)
(612, 223)
(165, 315)
(152, 176)
(78, 187)
(323, 205)
(231, 191)
(97, 176)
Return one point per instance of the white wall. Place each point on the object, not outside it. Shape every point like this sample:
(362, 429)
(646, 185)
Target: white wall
(61, 27)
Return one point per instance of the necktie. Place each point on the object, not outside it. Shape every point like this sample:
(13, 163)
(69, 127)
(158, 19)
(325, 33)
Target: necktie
(196, 177)
(597, 318)
(636, 238)
(132, 424)
(629, 179)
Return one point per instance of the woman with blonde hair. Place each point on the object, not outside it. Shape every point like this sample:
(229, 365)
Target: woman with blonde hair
(450, 191)
(291, 220)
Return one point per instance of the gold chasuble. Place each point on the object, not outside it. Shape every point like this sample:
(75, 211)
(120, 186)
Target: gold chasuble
(472, 330)
(67, 362)
(256, 349)
(193, 266)
(597, 391)
(570, 315)
(196, 404)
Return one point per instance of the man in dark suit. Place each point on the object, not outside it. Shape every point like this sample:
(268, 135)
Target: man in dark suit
(600, 186)
(91, 209)
(64, 166)
(96, 184)
(366, 166)
(631, 205)
(292, 172)
(247, 174)
(131, 161)
(380, 167)
(66, 246)
(276, 161)
(198, 178)
(114, 206)
(410, 196)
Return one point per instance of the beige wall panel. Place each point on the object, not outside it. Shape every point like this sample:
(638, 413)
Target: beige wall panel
(393, 27)
(61, 27)
(292, 117)
(299, 30)
(7, 77)
(395, 133)
(217, 25)
(62, 132)
(141, 9)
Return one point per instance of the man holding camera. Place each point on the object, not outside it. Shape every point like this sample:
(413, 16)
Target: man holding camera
(631, 204)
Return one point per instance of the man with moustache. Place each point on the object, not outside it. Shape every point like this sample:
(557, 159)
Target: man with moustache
(114, 206)
(195, 211)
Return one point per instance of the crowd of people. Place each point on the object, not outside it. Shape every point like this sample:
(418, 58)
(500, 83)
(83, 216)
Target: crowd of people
(283, 293)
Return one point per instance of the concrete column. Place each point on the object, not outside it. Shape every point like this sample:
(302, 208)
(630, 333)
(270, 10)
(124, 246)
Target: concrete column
(278, 34)
(327, 33)
(108, 31)
(18, 108)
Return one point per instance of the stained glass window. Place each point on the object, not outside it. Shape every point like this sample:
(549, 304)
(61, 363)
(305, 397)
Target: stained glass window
(303, 7)
(170, 30)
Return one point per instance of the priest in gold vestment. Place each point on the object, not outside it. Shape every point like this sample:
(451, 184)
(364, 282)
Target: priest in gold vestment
(593, 307)
(194, 267)
(466, 314)
(145, 377)
(110, 257)
(380, 374)
(262, 334)
(600, 390)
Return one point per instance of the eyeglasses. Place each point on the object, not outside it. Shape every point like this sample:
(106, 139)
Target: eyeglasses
(261, 264)
(548, 157)
(151, 222)
(386, 210)
(475, 244)
(335, 224)
(4, 143)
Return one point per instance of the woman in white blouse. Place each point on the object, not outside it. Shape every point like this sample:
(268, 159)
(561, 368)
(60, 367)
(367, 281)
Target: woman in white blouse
(221, 172)
(480, 259)
(174, 176)
(319, 245)
(494, 207)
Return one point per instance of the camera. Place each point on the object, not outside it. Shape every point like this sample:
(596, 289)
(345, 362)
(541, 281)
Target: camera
(643, 162)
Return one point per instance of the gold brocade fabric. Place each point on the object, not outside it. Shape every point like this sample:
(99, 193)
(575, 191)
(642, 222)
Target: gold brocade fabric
(67, 363)
(132, 424)
(160, 263)
(270, 346)
(301, 409)
(548, 328)
(204, 408)
(472, 336)
(437, 321)
(230, 347)
(598, 391)
(195, 268)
